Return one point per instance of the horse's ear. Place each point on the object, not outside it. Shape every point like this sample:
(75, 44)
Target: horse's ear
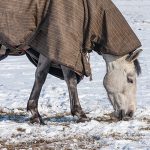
(133, 56)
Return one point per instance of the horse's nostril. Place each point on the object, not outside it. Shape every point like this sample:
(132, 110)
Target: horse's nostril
(130, 113)
(121, 114)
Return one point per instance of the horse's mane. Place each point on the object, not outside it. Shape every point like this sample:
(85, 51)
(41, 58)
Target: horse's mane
(137, 67)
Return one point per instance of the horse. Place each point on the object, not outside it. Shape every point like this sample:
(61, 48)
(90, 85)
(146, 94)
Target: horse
(61, 33)
(119, 82)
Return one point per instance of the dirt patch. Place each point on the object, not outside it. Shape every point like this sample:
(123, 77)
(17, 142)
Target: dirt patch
(69, 143)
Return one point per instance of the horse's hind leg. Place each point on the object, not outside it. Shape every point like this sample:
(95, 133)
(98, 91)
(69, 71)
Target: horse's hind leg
(71, 80)
(40, 76)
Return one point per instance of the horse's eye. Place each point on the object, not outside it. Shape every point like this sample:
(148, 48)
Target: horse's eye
(130, 79)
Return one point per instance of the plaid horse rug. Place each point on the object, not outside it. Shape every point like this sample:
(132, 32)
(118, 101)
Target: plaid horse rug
(66, 30)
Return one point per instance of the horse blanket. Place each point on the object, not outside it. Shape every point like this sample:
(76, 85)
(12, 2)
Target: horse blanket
(66, 30)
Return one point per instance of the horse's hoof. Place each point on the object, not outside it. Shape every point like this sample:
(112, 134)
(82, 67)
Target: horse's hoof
(37, 121)
(79, 114)
(83, 115)
(83, 120)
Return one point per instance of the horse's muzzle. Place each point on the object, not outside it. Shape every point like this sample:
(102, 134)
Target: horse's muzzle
(121, 115)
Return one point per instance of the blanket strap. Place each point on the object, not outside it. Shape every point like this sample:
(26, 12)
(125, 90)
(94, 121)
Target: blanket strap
(88, 58)
(2, 49)
(86, 63)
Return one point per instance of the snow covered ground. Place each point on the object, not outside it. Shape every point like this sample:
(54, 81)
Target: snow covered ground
(61, 131)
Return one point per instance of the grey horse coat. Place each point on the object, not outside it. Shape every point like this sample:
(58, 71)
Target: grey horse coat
(65, 30)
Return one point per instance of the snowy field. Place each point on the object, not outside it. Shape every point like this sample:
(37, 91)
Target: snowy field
(62, 131)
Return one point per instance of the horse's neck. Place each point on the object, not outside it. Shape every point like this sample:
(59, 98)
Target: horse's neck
(113, 62)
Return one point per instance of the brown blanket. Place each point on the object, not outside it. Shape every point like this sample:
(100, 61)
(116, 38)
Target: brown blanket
(65, 30)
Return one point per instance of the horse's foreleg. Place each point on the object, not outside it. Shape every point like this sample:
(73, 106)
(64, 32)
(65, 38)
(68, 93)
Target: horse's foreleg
(71, 80)
(40, 77)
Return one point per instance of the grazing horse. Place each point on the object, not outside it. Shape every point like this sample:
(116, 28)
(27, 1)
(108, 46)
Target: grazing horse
(119, 82)
(62, 32)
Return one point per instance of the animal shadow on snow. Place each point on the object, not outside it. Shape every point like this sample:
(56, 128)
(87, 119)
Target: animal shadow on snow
(14, 117)
(25, 118)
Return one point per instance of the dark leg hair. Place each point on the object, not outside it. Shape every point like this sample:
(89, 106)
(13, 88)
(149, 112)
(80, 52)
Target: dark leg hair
(71, 80)
(40, 77)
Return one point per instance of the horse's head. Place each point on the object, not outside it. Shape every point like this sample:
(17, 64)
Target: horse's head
(120, 82)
